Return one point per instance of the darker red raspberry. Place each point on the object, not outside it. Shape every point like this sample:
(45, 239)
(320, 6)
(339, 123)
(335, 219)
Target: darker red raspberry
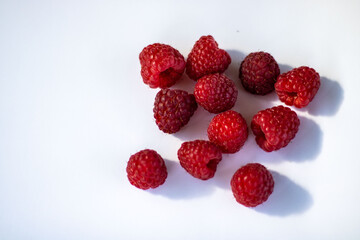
(161, 65)
(173, 109)
(298, 87)
(146, 169)
(228, 130)
(252, 184)
(258, 73)
(199, 158)
(206, 58)
(275, 127)
(215, 92)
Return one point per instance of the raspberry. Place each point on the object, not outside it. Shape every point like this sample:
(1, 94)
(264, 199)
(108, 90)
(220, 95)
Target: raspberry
(173, 109)
(298, 87)
(215, 92)
(252, 184)
(146, 169)
(228, 130)
(258, 73)
(199, 158)
(161, 65)
(206, 58)
(275, 127)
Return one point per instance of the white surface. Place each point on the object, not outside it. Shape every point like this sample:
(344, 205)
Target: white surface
(73, 108)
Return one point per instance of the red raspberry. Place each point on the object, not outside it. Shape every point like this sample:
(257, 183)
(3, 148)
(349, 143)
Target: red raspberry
(275, 127)
(258, 73)
(206, 58)
(228, 130)
(161, 65)
(146, 169)
(173, 109)
(199, 158)
(215, 92)
(252, 184)
(298, 87)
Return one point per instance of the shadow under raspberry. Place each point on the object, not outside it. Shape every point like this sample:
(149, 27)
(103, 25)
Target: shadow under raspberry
(196, 127)
(284, 68)
(233, 70)
(287, 199)
(228, 166)
(306, 145)
(180, 185)
(185, 83)
(328, 99)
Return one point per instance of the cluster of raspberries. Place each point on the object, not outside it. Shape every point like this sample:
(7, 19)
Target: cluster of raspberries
(162, 66)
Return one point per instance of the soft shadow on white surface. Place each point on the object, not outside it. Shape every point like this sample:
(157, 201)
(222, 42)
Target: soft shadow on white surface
(181, 185)
(236, 58)
(328, 99)
(185, 83)
(197, 126)
(288, 198)
(228, 166)
(306, 145)
(248, 104)
(284, 68)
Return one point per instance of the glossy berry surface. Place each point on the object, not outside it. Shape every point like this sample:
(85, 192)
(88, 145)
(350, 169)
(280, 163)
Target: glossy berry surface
(161, 65)
(258, 73)
(275, 127)
(298, 87)
(146, 169)
(199, 158)
(215, 92)
(206, 58)
(228, 130)
(252, 184)
(173, 109)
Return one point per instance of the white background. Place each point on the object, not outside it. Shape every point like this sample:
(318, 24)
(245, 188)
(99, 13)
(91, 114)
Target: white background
(73, 108)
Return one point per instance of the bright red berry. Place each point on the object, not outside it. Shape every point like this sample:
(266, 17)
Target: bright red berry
(252, 184)
(258, 73)
(215, 92)
(228, 130)
(199, 158)
(206, 58)
(275, 127)
(161, 65)
(298, 87)
(146, 169)
(173, 109)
